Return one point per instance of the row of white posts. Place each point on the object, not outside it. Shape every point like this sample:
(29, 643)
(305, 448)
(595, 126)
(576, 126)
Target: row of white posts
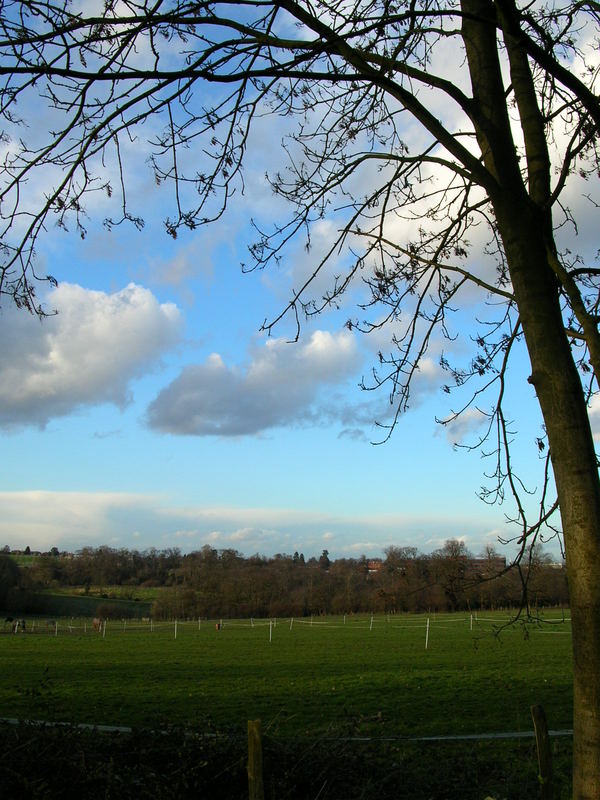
(271, 626)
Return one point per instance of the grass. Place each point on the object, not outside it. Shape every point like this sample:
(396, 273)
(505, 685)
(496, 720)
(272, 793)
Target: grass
(24, 560)
(65, 603)
(317, 689)
(307, 680)
(146, 594)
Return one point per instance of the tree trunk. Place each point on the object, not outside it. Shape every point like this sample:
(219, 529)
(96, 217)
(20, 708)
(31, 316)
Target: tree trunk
(526, 231)
(560, 395)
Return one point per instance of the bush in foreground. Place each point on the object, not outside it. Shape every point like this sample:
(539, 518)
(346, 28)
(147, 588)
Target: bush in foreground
(63, 761)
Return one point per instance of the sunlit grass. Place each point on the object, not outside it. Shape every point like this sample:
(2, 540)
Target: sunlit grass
(360, 677)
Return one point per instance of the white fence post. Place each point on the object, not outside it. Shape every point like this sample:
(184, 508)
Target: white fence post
(427, 635)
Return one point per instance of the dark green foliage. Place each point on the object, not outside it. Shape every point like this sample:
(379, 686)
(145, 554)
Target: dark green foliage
(62, 605)
(183, 763)
(223, 583)
(65, 762)
(10, 576)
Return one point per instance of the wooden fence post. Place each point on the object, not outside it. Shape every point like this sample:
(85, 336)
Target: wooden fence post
(544, 752)
(256, 789)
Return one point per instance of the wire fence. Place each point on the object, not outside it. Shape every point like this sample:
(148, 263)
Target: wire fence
(97, 626)
(111, 761)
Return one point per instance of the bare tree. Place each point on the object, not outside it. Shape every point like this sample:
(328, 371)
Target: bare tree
(445, 142)
(450, 567)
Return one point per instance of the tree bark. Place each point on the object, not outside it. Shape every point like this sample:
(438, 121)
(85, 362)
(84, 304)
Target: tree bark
(526, 234)
(558, 387)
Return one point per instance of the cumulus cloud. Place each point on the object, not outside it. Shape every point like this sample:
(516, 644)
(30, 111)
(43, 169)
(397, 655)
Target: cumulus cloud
(87, 354)
(279, 386)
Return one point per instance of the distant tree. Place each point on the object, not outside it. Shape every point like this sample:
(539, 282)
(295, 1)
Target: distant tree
(543, 583)
(550, 586)
(451, 566)
(112, 611)
(10, 577)
(397, 558)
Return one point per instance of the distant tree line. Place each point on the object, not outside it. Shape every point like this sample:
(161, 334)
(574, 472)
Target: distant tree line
(211, 583)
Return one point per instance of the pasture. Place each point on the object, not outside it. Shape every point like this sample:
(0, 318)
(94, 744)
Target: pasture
(342, 678)
(66, 603)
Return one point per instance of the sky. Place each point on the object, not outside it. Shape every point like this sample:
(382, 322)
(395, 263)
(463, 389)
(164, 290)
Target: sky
(151, 411)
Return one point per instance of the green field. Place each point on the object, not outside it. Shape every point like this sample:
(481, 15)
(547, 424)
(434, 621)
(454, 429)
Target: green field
(350, 678)
(145, 594)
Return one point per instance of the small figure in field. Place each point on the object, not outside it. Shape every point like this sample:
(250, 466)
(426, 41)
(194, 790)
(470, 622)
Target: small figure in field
(18, 625)
(218, 626)
(97, 624)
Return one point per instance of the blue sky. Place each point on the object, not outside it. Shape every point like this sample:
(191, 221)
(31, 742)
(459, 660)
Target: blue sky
(267, 450)
(152, 412)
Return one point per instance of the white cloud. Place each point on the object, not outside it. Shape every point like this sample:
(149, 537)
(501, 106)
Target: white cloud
(66, 519)
(191, 259)
(594, 414)
(279, 386)
(428, 377)
(363, 548)
(466, 427)
(72, 520)
(85, 355)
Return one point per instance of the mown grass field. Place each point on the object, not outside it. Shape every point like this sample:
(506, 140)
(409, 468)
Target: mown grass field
(309, 679)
